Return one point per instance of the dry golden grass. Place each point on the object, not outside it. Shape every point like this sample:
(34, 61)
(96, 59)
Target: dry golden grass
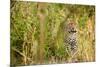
(37, 33)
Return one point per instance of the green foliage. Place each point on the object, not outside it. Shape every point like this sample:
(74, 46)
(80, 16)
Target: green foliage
(82, 22)
(25, 30)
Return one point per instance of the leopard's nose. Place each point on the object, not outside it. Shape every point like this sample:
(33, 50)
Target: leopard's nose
(73, 30)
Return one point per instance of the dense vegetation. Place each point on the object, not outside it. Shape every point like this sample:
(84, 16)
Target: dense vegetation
(37, 32)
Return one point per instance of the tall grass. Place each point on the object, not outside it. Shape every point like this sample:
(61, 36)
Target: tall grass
(37, 33)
